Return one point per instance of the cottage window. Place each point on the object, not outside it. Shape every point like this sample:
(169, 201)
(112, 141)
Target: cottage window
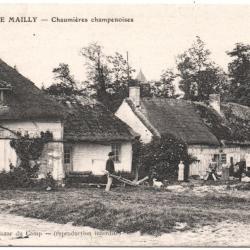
(67, 155)
(220, 158)
(4, 88)
(116, 149)
(223, 158)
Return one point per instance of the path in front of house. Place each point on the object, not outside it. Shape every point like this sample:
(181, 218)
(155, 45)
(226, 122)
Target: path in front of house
(13, 231)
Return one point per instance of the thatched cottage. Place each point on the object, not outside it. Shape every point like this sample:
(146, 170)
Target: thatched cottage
(90, 133)
(220, 130)
(82, 135)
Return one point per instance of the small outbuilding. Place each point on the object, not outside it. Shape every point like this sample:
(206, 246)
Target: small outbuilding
(90, 133)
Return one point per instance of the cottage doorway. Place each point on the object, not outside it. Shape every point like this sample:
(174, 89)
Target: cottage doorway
(220, 159)
(68, 166)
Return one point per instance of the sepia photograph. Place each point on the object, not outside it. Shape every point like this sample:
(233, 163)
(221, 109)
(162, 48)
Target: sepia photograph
(125, 125)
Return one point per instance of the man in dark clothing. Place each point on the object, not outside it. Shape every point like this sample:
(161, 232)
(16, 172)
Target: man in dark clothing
(242, 167)
(110, 168)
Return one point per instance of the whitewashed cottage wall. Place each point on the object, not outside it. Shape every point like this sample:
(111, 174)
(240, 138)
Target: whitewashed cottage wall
(125, 114)
(52, 157)
(206, 153)
(93, 156)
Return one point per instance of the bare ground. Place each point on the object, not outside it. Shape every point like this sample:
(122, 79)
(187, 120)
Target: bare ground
(42, 233)
(179, 216)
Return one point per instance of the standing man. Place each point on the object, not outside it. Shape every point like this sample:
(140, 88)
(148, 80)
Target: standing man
(242, 167)
(110, 168)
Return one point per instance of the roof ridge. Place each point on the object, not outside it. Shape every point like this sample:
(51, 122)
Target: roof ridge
(142, 118)
(173, 116)
(94, 123)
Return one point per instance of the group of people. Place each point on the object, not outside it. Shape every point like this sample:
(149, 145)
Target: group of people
(216, 171)
(223, 172)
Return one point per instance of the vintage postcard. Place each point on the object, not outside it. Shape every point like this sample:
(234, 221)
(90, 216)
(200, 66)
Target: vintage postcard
(124, 125)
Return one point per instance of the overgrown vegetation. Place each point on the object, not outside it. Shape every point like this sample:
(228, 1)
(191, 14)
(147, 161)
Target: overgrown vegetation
(239, 74)
(28, 150)
(213, 121)
(65, 87)
(160, 157)
(240, 126)
(199, 75)
(231, 126)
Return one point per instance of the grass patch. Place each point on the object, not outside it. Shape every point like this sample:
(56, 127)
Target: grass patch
(127, 209)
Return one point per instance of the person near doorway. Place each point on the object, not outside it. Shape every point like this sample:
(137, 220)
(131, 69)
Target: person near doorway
(181, 171)
(231, 167)
(110, 168)
(242, 167)
(212, 168)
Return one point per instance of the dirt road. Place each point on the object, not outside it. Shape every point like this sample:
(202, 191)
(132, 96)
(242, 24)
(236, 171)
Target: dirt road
(20, 231)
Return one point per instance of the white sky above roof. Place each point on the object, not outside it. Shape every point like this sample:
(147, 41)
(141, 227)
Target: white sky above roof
(159, 33)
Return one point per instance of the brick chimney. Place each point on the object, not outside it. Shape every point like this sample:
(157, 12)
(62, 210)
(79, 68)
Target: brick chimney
(134, 95)
(214, 102)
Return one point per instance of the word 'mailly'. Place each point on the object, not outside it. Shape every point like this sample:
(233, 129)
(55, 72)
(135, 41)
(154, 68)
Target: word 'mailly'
(18, 19)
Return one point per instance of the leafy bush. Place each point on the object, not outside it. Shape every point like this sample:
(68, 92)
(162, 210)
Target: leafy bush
(16, 178)
(160, 157)
(29, 150)
(44, 183)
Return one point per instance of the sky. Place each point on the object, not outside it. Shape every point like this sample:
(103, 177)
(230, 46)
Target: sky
(158, 34)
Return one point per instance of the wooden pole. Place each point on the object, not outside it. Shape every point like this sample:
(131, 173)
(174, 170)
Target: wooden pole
(128, 71)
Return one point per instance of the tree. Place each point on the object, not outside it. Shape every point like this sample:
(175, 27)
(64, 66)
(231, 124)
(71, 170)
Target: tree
(98, 72)
(108, 75)
(65, 85)
(239, 72)
(120, 71)
(200, 76)
(160, 157)
(120, 79)
(165, 86)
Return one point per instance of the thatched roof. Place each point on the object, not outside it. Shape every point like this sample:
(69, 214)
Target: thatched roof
(90, 121)
(194, 123)
(232, 126)
(24, 100)
(176, 117)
